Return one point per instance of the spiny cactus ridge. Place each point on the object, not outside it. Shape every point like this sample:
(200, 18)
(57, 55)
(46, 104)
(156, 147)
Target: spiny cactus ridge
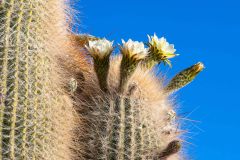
(33, 103)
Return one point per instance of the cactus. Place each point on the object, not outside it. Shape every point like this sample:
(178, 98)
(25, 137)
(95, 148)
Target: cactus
(126, 111)
(36, 115)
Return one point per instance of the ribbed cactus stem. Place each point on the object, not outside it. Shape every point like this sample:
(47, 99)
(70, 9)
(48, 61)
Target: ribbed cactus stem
(114, 137)
(121, 144)
(4, 64)
(29, 109)
(127, 68)
(128, 129)
(183, 78)
(138, 146)
(135, 126)
(25, 71)
(129, 124)
(14, 100)
(126, 139)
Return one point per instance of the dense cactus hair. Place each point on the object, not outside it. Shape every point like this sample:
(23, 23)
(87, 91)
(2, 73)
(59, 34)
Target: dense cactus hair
(132, 125)
(132, 119)
(132, 116)
(36, 115)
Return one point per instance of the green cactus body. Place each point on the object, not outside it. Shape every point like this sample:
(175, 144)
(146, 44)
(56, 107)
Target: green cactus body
(32, 101)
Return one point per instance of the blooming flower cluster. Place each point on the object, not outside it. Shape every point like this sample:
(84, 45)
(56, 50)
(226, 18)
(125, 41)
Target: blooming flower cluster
(135, 53)
(159, 49)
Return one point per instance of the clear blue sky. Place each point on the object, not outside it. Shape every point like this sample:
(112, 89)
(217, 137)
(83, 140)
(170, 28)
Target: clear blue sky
(204, 30)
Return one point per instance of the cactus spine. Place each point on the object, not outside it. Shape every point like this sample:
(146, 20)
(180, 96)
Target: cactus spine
(33, 103)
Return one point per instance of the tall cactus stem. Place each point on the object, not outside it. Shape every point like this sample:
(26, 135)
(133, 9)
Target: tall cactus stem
(28, 83)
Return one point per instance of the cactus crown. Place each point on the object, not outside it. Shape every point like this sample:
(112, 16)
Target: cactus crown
(125, 109)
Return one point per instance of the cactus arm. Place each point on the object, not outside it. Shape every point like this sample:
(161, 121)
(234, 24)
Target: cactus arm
(183, 78)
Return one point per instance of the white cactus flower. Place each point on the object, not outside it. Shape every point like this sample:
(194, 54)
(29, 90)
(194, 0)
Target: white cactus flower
(134, 48)
(100, 48)
(162, 46)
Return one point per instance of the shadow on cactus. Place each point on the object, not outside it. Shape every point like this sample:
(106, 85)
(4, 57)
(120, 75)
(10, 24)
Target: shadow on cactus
(125, 109)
